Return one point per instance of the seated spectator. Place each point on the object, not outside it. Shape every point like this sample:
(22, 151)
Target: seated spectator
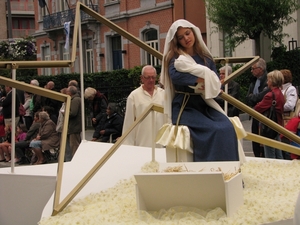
(21, 132)
(20, 136)
(51, 113)
(4, 153)
(46, 139)
(109, 124)
(21, 146)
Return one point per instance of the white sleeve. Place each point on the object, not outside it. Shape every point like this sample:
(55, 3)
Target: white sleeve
(291, 99)
(212, 84)
(129, 120)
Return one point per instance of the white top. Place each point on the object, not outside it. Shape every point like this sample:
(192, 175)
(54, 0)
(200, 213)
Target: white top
(137, 102)
(27, 106)
(291, 96)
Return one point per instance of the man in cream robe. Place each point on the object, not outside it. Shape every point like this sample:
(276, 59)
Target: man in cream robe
(137, 102)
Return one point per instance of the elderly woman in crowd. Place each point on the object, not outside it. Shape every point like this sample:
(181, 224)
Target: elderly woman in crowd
(97, 103)
(275, 80)
(46, 139)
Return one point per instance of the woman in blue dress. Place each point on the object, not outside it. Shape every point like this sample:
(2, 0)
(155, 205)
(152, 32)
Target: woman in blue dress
(191, 84)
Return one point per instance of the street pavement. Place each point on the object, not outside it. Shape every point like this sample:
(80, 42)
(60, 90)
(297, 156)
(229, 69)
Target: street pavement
(247, 146)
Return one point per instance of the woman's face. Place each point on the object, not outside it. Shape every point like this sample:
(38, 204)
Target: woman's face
(19, 130)
(186, 38)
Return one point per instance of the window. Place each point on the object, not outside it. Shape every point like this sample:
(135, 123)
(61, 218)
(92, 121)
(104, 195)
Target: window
(22, 23)
(116, 52)
(150, 37)
(88, 2)
(65, 55)
(61, 6)
(89, 56)
(46, 57)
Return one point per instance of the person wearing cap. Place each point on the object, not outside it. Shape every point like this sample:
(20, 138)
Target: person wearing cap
(111, 124)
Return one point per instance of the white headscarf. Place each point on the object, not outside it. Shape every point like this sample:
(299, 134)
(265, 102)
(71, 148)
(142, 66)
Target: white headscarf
(165, 78)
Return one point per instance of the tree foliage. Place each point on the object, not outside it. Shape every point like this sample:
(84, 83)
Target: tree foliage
(248, 19)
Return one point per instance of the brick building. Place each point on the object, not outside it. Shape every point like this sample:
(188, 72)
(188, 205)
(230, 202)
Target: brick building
(16, 19)
(104, 49)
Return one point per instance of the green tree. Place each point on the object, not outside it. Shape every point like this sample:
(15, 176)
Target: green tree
(248, 19)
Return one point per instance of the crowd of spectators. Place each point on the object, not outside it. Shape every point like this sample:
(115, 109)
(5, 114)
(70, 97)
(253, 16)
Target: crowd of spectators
(42, 123)
(39, 128)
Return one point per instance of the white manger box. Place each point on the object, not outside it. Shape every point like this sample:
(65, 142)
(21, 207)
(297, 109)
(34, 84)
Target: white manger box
(202, 186)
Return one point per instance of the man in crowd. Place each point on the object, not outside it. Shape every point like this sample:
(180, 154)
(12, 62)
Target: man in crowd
(74, 128)
(49, 101)
(257, 90)
(137, 102)
(233, 90)
(7, 104)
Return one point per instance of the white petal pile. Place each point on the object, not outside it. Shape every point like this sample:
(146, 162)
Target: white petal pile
(270, 194)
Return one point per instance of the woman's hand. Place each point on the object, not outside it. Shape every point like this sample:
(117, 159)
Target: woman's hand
(200, 86)
(200, 80)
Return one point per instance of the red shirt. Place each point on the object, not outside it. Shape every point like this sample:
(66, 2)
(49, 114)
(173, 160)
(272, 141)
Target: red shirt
(266, 103)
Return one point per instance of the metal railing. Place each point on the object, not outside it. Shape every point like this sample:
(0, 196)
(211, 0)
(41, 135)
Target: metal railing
(57, 20)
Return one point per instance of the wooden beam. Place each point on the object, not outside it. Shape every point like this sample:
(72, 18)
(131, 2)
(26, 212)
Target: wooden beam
(59, 207)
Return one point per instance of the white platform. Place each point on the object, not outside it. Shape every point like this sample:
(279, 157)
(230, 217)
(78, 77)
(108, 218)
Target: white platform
(127, 161)
(24, 193)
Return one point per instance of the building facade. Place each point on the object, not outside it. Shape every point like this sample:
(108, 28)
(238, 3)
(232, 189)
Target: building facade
(104, 49)
(17, 19)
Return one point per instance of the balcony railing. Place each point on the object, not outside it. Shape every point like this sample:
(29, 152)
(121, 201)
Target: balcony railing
(57, 20)
(21, 33)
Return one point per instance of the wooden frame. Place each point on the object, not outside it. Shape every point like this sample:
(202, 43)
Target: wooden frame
(59, 206)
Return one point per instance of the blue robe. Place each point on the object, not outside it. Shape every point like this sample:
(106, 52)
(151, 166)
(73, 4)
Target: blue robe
(213, 135)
